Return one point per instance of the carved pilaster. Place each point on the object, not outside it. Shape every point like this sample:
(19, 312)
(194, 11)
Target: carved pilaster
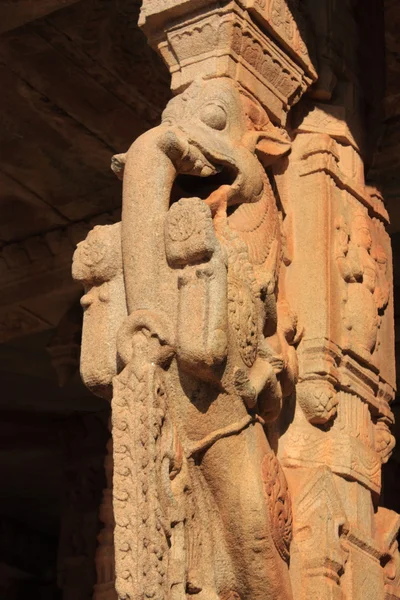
(346, 361)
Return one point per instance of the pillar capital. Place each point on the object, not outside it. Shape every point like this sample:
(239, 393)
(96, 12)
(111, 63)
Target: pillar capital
(257, 43)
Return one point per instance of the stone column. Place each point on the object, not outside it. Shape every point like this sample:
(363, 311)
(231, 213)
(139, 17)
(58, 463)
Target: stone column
(241, 318)
(340, 285)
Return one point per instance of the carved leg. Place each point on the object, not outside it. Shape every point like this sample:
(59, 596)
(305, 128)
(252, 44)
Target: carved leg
(238, 472)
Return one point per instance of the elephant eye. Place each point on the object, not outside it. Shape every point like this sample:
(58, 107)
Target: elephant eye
(214, 116)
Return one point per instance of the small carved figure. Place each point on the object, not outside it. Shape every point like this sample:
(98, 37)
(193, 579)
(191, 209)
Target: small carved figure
(368, 289)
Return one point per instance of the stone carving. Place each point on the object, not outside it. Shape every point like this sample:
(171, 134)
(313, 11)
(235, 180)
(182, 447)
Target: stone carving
(384, 440)
(224, 41)
(280, 507)
(337, 431)
(387, 524)
(365, 271)
(313, 562)
(204, 355)
(240, 318)
(318, 399)
(287, 22)
(98, 265)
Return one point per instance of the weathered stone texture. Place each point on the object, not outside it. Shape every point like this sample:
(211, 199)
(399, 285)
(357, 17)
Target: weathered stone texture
(240, 317)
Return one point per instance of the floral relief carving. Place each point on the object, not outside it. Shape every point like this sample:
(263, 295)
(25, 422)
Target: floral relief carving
(276, 490)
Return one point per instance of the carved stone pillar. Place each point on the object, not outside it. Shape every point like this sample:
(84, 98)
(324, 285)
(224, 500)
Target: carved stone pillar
(240, 317)
(340, 285)
(339, 435)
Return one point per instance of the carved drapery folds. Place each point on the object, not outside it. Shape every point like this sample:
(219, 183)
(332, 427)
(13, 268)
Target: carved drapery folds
(240, 318)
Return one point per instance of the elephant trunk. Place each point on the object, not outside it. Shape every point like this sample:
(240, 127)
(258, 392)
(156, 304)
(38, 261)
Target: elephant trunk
(148, 178)
(151, 166)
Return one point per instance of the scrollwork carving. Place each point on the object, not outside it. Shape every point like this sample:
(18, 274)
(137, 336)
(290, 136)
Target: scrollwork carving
(279, 503)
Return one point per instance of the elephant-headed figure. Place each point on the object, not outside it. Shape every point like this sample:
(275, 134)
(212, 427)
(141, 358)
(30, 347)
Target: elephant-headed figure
(201, 503)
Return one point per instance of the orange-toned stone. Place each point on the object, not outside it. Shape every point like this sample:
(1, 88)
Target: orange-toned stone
(242, 317)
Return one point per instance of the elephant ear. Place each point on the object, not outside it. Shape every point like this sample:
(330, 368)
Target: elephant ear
(271, 143)
(263, 138)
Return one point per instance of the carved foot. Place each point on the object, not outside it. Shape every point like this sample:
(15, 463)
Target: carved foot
(260, 386)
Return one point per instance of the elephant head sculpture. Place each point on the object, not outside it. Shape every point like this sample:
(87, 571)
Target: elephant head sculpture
(211, 136)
